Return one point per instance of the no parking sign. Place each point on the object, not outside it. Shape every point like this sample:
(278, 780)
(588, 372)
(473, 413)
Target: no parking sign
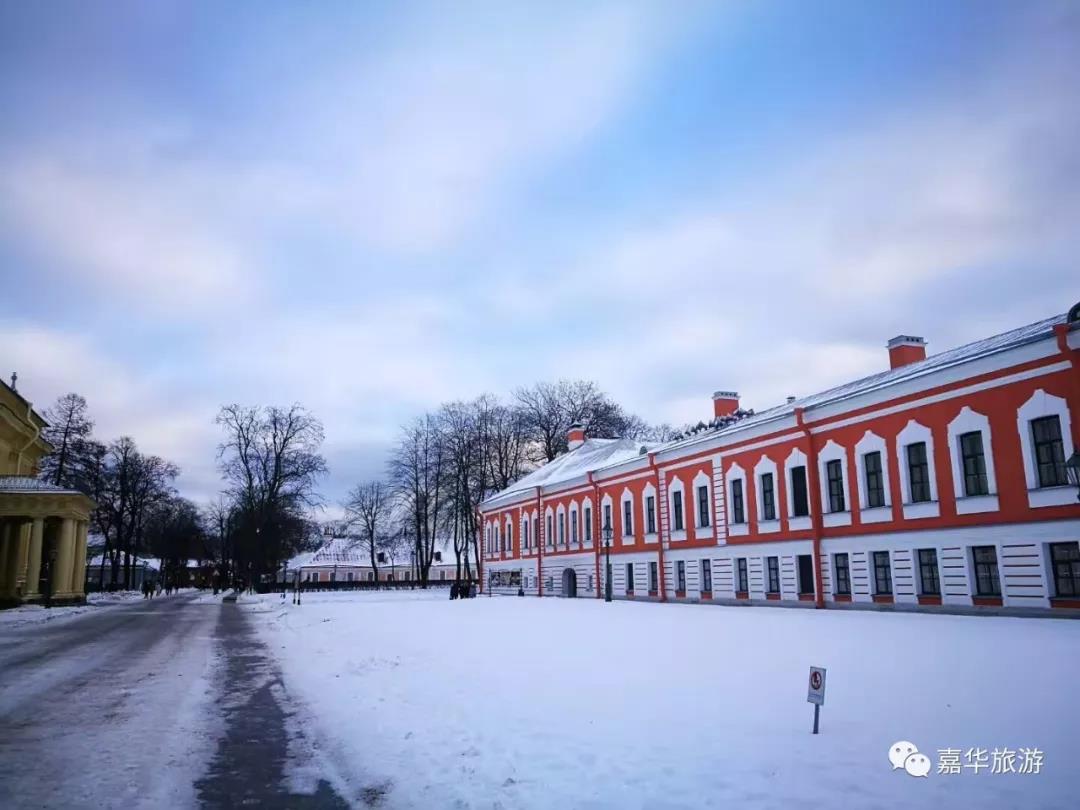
(815, 692)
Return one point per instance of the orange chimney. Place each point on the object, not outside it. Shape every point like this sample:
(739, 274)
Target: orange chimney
(575, 436)
(906, 349)
(725, 403)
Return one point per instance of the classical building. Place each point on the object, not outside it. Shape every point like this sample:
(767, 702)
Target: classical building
(42, 527)
(943, 482)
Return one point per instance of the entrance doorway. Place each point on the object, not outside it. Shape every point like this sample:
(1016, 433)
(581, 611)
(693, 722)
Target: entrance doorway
(569, 582)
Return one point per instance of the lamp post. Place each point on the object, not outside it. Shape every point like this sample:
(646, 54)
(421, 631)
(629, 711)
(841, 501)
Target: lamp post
(607, 561)
(1072, 468)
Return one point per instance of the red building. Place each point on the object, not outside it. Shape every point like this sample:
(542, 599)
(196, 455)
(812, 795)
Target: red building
(942, 481)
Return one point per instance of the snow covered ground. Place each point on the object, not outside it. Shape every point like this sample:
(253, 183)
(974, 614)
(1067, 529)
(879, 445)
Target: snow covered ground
(33, 614)
(508, 702)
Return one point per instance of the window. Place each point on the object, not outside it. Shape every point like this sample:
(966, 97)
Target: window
(738, 511)
(550, 535)
(562, 528)
(768, 497)
(706, 576)
(834, 472)
(677, 509)
(875, 485)
(314, 576)
(1065, 558)
(370, 576)
(918, 472)
(573, 526)
(628, 521)
(806, 573)
(680, 574)
(882, 573)
(974, 464)
(650, 514)
(773, 564)
(629, 577)
(525, 533)
(800, 503)
(843, 574)
(929, 583)
(703, 507)
(607, 516)
(986, 571)
(1049, 451)
(588, 524)
(349, 576)
(744, 580)
(653, 578)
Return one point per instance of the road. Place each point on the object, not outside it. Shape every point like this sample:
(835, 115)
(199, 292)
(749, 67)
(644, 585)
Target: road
(170, 702)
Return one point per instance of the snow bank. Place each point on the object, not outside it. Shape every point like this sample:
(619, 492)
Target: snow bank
(577, 703)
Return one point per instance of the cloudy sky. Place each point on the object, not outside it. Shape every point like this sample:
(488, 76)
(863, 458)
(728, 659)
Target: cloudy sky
(373, 208)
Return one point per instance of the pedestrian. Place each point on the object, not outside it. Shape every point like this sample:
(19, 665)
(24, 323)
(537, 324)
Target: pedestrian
(145, 592)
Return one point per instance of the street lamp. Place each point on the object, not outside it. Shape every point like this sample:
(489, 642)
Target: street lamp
(1072, 468)
(607, 561)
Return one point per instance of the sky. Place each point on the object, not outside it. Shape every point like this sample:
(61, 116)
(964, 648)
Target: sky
(374, 208)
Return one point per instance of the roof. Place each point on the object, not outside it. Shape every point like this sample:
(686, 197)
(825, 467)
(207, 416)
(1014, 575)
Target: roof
(594, 454)
(597, 454)
(24, 483)
(1040, 330)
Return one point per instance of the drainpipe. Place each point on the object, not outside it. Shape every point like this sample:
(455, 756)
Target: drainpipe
(480, 545)
(594, 529)
(814, 493)
(660, 551)
(542, 536)
(34, 438)
(1061, 330)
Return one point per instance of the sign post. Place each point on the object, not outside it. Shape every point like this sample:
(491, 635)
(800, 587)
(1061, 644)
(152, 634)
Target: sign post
(815, 692)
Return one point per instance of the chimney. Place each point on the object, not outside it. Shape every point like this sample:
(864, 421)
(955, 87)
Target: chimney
(790, 400)
(906, 349)
(575, 436)
(725, 403)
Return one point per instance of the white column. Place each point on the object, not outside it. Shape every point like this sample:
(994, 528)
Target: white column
(33, 563)
(65, 558)
(5, 547)
(78, 571)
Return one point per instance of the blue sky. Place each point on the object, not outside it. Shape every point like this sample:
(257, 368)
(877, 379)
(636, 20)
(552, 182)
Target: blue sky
(374, 208)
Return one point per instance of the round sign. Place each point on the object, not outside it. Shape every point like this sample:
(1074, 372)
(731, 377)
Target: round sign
(815, 680)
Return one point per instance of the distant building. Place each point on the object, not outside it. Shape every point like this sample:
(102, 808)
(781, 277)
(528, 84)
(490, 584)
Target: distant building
(43, 527)
(344, 559)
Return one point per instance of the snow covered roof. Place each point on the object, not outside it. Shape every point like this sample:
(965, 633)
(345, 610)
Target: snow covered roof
(11, 484)
(598, 454)
(340, 550)
(152, 563)
(1040, 330)
(593, 455)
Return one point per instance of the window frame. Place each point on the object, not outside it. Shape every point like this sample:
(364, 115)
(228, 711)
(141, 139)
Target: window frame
(706, 576)
(990, 568)
(835, 485)
(924, 493)
(772, 572)
(650, 513)
(800, 494)
(677, 511)
(768, 496)
(874, 480)
(629, 584)
(654, 577)
(845, 577)
(680, 576)
(742, 575)
(929, 566)
(704, 521)
(882, 570)
(1073, 567)
(1056, 447)
(738, 505)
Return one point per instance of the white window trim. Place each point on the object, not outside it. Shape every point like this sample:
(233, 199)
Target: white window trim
(913, 433)
(535, 531)
(969, 421)
(766, 466)
(508, 535)
(676, 485)
(526, 537)
(870, 443)
(703, 532)
(834, 452)
(646, 493)
(736, 473)
(607, 503)
(797, 458)
(1043, 404)
(573, 532)
(560, 521)
(586, 536)
(549, 535)
(627, 496)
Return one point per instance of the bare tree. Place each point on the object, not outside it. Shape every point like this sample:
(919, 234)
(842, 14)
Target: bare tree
(550, 409)
(271, 460)
(369, 508)
(69, 432)
(416, 471)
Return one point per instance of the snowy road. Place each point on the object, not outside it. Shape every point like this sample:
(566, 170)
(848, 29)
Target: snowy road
(164, 703)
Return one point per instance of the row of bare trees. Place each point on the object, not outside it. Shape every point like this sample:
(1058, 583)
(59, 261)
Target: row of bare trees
(138, 511)
(447, 461)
